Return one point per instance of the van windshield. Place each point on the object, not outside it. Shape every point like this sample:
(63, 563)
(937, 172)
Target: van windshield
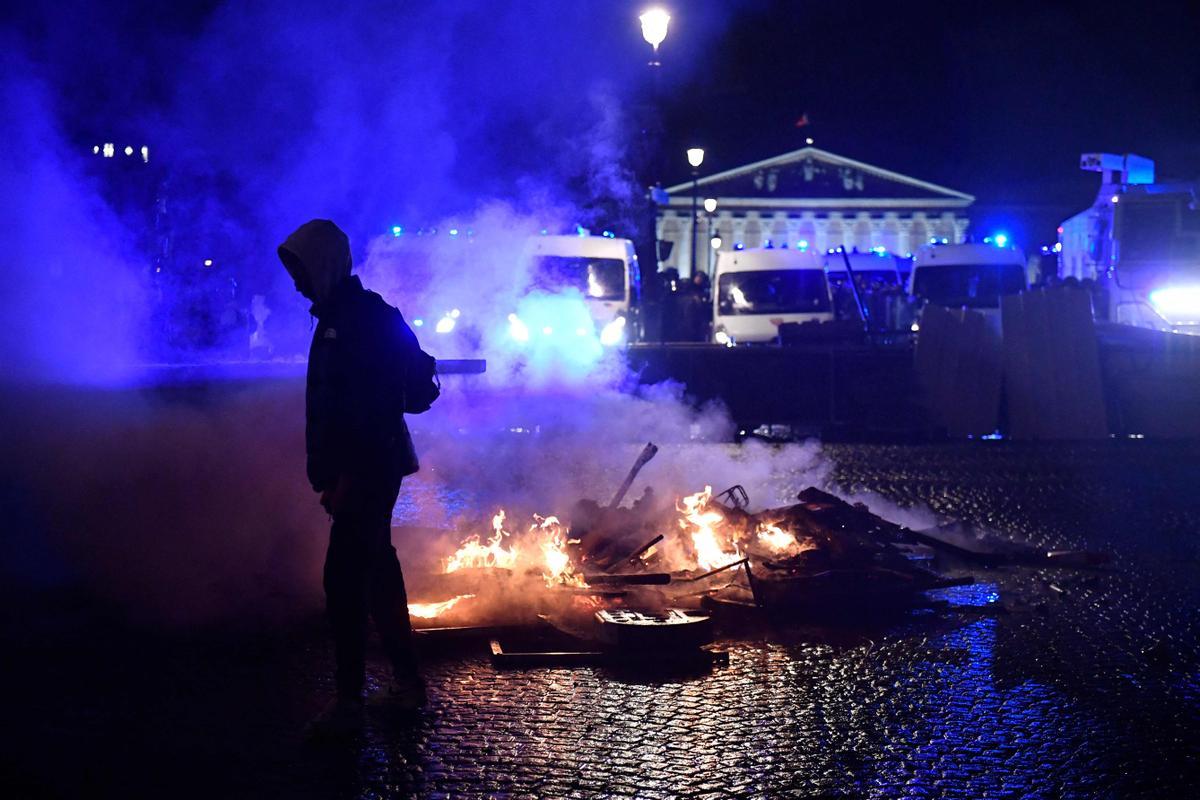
(970, 285)
(596, 278)
(782, 291)
(866, 278)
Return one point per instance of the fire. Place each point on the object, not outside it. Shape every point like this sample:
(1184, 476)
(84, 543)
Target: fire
(705, 540)
(558, 567)
(710, 553)
(433, 610)
(474, 553)
(781, 542)
(545, 545)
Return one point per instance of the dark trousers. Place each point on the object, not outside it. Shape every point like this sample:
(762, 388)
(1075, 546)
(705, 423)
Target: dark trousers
(363, 578)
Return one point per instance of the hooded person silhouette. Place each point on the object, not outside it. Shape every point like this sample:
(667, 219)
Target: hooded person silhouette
(359, 449)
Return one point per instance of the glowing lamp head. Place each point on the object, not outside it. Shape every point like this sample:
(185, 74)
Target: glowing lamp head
(695, 156)
(445, 324)
(715, 242)
(710, 204)
(654, 26)
(128, 150)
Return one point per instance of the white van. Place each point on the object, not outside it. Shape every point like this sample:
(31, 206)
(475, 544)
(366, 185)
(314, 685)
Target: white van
(967, 275)
(872, 268)
(603, 269)
(757, 290)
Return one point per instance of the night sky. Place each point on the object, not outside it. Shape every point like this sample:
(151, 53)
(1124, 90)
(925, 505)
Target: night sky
(997, 100)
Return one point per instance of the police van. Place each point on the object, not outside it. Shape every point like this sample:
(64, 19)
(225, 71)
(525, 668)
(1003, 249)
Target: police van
(755, 290)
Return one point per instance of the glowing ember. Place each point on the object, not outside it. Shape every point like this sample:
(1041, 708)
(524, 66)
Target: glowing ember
(433, 610)
(474, 553)
(775, 538)
(713, 549)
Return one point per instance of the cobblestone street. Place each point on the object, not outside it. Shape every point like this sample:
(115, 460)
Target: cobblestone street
(1041, 682)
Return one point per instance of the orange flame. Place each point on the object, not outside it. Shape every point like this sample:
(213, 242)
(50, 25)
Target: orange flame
(711, 551)
(559, 569)
(433, 610)
(474, 553)
(781, 542)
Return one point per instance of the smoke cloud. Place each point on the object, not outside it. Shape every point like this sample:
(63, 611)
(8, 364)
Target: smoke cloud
(186, 501)
(258, 116)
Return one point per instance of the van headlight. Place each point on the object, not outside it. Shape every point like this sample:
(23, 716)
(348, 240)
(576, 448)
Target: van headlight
(1178, 305)
(517, 329)
(613, 333)
(722, 337)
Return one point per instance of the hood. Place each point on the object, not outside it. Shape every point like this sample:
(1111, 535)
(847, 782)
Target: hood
(317, 256)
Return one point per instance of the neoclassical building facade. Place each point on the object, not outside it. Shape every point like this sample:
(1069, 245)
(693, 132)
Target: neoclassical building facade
(811, 198)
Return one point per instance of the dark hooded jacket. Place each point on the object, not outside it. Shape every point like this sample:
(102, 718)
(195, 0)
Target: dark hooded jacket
(357, 363)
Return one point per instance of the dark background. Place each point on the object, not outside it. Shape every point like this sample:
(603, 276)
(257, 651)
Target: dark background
(260, 115)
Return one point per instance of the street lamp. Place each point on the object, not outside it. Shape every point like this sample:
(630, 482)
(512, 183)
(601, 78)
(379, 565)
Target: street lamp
(710, 208)
(654, 29)
(695, 157)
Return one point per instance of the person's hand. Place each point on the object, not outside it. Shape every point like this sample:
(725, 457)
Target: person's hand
(334, 500)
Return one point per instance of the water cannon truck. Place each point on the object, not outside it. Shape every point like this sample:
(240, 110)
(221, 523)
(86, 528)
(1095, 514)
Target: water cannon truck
(1140, 243)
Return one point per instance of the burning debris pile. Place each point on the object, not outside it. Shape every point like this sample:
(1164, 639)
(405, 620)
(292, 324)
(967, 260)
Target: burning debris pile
(818, 558)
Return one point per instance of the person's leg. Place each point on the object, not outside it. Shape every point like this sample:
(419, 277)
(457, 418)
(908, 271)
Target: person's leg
(347, 576)
(388, 598)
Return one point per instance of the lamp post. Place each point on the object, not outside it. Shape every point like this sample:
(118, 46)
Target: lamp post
(695, 157)
(654, 23)
(710, 208)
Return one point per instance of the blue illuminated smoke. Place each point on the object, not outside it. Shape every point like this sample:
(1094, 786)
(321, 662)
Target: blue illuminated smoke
(264, 115)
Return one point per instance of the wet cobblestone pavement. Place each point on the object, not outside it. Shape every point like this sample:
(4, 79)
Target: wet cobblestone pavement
(1045, 683)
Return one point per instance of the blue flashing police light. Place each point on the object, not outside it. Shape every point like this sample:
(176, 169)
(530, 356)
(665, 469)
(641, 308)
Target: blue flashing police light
(739, 246)
(802, 244)
(397, 230)
(1001, 239)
